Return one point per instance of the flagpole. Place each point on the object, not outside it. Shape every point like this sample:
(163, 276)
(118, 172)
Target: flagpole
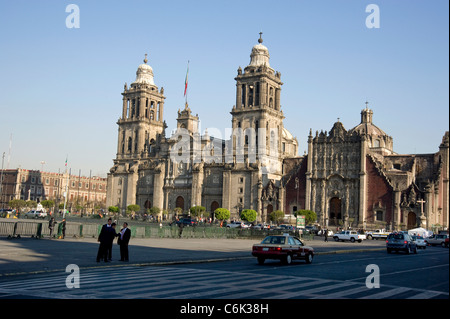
(65, 193)
(186, 83)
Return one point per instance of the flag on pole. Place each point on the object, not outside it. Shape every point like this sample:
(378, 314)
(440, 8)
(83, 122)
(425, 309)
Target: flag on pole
(186, 80)
(66, 162)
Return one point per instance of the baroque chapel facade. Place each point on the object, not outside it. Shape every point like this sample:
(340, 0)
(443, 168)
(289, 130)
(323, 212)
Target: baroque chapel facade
(348, 177)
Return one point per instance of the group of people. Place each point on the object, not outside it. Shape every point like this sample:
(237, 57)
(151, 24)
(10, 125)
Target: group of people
(106, 239)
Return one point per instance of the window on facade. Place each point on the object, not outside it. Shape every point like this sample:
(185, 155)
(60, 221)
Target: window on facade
(379, 215)
(376, 143)
(397, 166)
(257, 94)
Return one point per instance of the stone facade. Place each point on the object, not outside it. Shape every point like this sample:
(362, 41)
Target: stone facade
(38, 186)
(348, 177)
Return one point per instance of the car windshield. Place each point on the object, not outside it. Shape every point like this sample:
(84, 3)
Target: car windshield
(417, 237)
(278, 240)
(396, 236)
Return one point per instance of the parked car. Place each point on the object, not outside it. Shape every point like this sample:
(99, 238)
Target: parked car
(287, 227)
(351, 235)
(446, 242)
(235, 225)
(187, 222)
(286, 248)
(261, 226)
(35, 214)
(437, 239)
(420, 241)
(400, 242)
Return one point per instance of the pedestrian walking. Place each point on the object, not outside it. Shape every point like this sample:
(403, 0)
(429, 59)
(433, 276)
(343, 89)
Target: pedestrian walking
(123, 240)
(51, 225)
(325, 231)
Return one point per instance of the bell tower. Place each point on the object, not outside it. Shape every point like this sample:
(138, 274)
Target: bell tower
(142, 115)
(258, 105)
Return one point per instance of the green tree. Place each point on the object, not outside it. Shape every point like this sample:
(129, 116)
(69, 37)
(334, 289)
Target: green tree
(277, 216)
(248, 215)
(47, 203)
(133, 208)
(222, 214)
(113, 209)
(17, 204)
(31, 203)
(197, 211)
(310, 216)
(154, 211)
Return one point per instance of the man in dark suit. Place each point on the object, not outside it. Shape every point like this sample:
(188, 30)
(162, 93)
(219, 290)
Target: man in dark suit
(124, 239)
(105, 241)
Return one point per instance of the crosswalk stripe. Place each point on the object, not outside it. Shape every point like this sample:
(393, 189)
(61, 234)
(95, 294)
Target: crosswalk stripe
(181, 283)
(387, 293)
(426, 295)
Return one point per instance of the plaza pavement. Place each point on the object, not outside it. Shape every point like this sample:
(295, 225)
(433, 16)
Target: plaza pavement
(29, 255)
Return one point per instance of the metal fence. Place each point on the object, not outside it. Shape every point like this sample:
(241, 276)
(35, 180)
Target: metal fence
(17, 229)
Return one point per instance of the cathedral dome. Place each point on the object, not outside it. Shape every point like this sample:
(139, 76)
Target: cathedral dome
(260, 54)
(144, 74)
(378, 139)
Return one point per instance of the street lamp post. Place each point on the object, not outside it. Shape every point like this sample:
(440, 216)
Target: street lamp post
(1, 181)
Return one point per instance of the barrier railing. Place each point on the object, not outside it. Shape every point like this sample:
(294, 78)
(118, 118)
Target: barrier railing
(17, 229)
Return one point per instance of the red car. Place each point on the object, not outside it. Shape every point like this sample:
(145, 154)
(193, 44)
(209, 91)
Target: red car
(446, 242)
(286, 248)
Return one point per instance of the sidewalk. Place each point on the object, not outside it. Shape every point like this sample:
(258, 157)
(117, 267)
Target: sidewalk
(28, 255)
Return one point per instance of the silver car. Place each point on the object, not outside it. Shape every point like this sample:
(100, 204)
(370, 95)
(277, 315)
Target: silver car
(35, 214)
(400, 242)
(420, 241)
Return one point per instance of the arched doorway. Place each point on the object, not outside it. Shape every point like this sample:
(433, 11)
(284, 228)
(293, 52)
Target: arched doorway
(269, 210)
(180, 202)
(412, 220)
(214, 206)
(335, 210)
(148, 204)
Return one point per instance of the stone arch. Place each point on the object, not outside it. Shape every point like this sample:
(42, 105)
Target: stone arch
(179, 202)
(335, 209)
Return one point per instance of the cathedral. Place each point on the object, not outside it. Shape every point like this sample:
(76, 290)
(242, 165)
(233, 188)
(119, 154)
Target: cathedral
(350, 178)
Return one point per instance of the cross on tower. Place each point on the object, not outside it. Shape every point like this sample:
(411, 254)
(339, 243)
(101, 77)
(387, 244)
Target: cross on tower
(260, 40)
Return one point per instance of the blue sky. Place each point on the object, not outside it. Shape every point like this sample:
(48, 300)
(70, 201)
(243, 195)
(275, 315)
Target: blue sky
(61, 88)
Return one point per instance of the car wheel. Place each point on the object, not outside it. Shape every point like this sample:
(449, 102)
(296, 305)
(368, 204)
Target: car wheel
(370, 237)
(261, 260)
(352, 240)
(309, 258)
(287, 260)
(443, 244)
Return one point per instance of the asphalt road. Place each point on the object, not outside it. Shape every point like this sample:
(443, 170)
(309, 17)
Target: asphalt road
(330, 276)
